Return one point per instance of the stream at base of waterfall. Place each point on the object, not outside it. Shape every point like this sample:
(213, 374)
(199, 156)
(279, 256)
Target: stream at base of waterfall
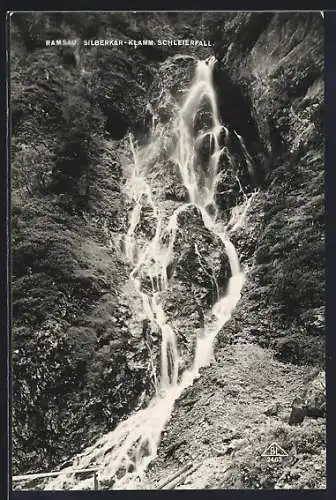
(122, 455)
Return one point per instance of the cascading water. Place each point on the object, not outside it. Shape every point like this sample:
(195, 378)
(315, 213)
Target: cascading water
(123, 454)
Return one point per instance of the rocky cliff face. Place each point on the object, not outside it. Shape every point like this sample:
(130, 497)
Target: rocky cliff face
(83, 354)
(270, 88)
(274, 62)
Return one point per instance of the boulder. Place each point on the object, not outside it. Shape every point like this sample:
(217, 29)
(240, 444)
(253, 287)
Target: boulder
(316, 397)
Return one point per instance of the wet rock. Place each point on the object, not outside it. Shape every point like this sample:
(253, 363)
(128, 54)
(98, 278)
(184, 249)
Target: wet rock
(176, 192)
(227, 189)
(170, 186)
(147, 224)
(202, 254)
(203, 121)
(205, 149)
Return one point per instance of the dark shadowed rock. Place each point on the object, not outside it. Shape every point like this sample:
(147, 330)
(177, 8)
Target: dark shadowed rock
(298, 412)
(312, 403)
(316, 396)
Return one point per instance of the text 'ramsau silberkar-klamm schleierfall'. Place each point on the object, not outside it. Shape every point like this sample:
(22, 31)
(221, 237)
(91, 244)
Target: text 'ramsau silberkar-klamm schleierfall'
(134, 43)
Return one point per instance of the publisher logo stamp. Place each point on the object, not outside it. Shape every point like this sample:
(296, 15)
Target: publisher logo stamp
(274, 453)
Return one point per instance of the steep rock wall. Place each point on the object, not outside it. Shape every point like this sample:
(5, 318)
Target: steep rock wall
(274, 64)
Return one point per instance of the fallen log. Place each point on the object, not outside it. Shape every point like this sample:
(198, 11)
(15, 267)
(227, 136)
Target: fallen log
(175, 475)
(178, 477)
(32, 477)
(181, 478)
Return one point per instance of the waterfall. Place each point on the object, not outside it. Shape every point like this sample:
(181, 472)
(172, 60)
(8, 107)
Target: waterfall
(123, 454)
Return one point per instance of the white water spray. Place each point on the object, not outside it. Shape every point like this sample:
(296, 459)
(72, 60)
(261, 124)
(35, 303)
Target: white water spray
(123, 454)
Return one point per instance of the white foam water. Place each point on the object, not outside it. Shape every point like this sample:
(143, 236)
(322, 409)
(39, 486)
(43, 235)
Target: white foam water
(123, 455)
